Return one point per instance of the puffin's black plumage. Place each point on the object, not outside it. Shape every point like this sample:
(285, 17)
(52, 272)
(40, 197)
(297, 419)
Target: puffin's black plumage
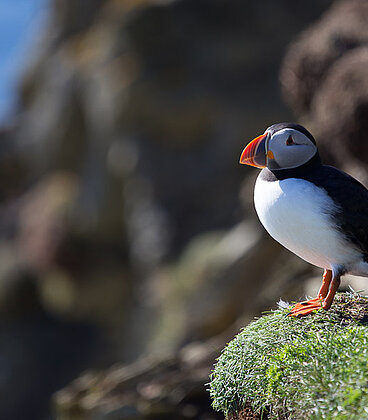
(349, 195)
(280, 126)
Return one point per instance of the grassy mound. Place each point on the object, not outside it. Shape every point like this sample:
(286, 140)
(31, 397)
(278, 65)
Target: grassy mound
(283, 367)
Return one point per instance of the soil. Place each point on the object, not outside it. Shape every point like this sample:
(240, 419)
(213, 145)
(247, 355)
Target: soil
(246, 414)
(352, 307)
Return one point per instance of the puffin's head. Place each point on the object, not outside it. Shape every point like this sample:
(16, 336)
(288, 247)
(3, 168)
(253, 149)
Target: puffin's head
(282, 146)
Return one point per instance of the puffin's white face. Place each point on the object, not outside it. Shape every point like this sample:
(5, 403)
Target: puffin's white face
(288, 148)
(280, 147)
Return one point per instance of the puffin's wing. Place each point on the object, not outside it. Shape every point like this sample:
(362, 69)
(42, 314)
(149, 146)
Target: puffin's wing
(351, 198)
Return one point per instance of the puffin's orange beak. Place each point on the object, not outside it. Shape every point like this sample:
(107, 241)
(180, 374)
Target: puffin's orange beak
(255, 153)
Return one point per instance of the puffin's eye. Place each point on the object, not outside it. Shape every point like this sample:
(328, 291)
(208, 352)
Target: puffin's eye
(289, 141)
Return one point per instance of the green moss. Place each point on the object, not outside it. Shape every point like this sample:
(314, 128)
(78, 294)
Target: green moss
(314, 367)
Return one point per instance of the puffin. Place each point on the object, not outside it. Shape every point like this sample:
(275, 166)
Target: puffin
(316, 211)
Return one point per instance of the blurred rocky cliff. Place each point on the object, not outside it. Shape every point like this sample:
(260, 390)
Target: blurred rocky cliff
(127, 226)
(324, 79)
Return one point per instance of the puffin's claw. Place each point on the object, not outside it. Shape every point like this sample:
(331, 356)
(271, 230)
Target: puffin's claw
(306, 307)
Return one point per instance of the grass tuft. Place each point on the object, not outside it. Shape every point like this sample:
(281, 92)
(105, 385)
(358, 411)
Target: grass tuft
(314, 367)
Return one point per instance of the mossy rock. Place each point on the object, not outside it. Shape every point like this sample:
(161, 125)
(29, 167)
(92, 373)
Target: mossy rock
(281, 367)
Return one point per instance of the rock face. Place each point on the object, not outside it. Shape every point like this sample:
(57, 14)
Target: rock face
(121, 229)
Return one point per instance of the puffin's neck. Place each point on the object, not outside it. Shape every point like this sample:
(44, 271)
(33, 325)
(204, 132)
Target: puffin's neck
(298, 172)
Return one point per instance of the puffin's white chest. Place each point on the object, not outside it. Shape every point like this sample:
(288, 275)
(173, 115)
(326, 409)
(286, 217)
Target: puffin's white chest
(297, 214)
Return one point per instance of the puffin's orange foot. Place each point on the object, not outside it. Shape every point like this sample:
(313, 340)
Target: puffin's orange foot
(306, 307)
